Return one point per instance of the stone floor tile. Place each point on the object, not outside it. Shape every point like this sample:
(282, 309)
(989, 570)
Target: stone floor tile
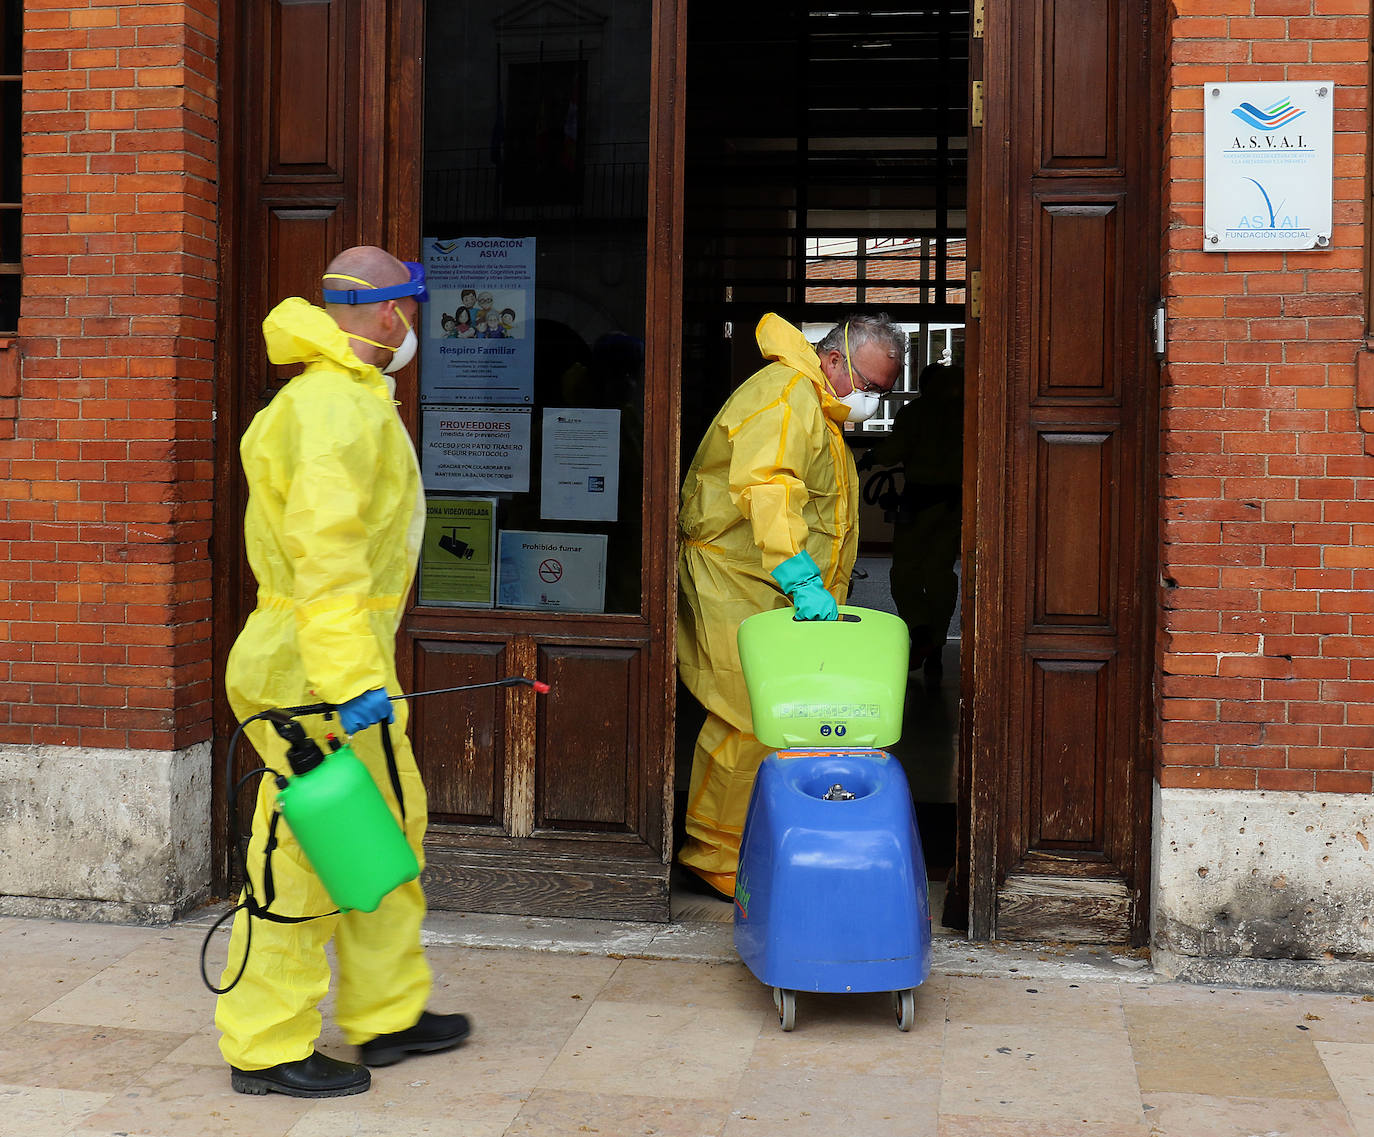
(726, 986)
(955, 1125)
(202, 1049)
(809, 1103)
(524, 1008)
(47, 959)
(1351, 1067)
(29, 987)
(95, 1059)
(67, 942)
(1049, 1003)
(192, 1101)
(46, 1112)
(154, 987)
(1245, 999)
(856, 1034)
(559, 1113)
(401, 1106)
(1223, 1049)
(1337, 1018)
(1202, 1115)
(1034, 1073)
(656, 1050)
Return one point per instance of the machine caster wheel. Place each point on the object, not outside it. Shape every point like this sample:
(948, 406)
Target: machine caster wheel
(785, 1002)
(904, 1007)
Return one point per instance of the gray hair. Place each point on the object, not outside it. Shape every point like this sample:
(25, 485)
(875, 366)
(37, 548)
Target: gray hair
(863, 329)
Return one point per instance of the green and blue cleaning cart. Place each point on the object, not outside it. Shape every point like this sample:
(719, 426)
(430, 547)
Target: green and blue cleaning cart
(831, 891)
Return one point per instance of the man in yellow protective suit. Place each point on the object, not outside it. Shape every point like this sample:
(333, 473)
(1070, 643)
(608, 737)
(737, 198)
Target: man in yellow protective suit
(333, 526)
(769, 516)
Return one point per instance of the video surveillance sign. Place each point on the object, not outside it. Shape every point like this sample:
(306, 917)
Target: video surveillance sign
(1268, 165)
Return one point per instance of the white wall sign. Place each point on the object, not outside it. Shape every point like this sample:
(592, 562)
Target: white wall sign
(1268, 153)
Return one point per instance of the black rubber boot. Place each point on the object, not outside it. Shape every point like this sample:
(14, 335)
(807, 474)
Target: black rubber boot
(428, 1036)
(316, 1076)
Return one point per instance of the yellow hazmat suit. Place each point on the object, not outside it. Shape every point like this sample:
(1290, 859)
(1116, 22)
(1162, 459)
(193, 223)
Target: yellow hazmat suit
(772, 477)
(333, 526)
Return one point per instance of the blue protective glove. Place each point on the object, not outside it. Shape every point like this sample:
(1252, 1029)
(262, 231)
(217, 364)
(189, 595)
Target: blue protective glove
(363, 710)
(801, 581)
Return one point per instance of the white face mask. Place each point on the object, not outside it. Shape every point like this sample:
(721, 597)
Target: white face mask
(863, 405)
(403, 354)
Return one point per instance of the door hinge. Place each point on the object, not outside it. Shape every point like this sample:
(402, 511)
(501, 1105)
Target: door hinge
(976, 104)
(975, 295)
(977, 19)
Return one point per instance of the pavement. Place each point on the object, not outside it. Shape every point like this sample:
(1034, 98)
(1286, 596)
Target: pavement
(653, 1030)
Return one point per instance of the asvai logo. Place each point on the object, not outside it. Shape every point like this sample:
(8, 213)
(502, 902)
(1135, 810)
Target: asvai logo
(444, 246)
(1269, 122)
(1280, 114)
(1271, 218)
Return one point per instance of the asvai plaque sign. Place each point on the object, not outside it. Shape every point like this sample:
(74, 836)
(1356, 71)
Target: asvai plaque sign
(1268, 165)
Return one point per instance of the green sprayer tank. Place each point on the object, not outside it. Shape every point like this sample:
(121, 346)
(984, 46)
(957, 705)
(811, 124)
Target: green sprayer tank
(343, 825)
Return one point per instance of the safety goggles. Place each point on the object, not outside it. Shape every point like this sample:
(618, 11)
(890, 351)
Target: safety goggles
(367, 294)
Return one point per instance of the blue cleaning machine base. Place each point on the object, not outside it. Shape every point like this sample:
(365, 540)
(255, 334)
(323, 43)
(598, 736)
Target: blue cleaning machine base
(831, 893)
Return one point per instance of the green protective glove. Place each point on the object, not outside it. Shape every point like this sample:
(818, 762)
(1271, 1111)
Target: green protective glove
(801, 581)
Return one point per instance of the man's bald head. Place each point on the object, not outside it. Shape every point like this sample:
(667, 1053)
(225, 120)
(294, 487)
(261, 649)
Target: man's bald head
(385, 321)
(363, 262)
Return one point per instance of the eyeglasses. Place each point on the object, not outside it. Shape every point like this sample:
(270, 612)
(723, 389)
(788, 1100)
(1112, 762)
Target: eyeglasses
(864, 384)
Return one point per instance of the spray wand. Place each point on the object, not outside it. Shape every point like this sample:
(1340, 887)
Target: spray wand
(328, 813)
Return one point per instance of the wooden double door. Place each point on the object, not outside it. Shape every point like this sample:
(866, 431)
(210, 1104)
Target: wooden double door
(563, 806)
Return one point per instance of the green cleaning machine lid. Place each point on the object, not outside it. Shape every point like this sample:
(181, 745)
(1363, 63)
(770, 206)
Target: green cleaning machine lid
(825, 682)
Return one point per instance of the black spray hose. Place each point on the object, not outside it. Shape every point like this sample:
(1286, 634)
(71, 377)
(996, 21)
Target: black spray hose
(232, 790)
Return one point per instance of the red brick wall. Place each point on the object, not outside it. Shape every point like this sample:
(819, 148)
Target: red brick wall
(1267, 608)
(106, 466)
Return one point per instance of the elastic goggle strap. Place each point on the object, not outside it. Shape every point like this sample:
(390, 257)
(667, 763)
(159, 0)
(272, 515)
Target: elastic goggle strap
(383, 346)
(368, 294)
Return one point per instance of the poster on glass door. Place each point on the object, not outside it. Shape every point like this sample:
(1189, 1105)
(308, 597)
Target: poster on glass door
(477, 344)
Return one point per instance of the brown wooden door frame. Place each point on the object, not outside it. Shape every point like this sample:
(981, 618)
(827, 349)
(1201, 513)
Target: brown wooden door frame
(1008, 154)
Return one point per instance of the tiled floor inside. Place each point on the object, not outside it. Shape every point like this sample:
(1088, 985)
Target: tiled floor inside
(105, 1030)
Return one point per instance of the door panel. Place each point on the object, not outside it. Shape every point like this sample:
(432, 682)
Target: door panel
(307, 48)
(1066, 438)
(588, 738)
(459, 740)
(1075, 525)
(1067, 729)
(1082, 58)
(1079, 255)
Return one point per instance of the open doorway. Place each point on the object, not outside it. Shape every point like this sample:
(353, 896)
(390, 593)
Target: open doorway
(827, 173)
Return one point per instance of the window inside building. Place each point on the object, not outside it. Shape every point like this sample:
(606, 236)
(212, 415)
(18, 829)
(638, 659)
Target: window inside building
(535, 212)
(842, 189)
